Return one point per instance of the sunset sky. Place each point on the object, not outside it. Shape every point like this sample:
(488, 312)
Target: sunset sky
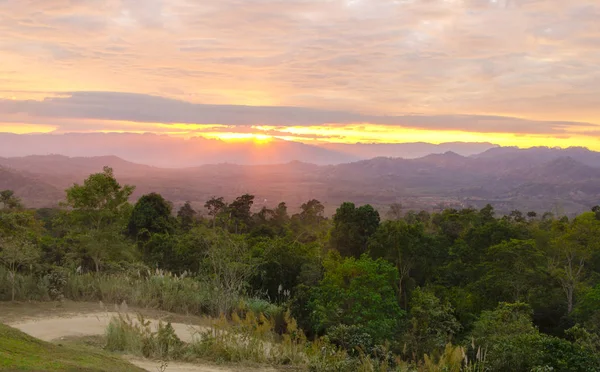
(511, 72)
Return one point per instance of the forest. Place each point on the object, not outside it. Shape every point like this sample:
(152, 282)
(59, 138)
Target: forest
(454, 290)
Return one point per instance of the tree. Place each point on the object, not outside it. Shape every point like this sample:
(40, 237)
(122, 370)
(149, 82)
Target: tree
(229, 266)
(186, 216)
(431, 324)
(308, 224)
(311, 213)
(9, 200)
(15, 253)
(99, 210)
(573, 246)
(508, 319)
(239, 210)
(395, 211)
(352, 228)
(280, 267)
(513, 270)
(404, 245)
(100, 199)
(152, 214)
(215, 207)
(358, 292)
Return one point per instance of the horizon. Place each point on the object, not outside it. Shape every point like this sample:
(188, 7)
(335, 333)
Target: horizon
(508, 72)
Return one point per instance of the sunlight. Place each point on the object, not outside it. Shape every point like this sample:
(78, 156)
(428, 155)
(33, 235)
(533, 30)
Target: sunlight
(239, 137)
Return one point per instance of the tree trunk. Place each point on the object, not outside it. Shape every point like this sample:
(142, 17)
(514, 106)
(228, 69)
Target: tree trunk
(13, 277)
(569, 291)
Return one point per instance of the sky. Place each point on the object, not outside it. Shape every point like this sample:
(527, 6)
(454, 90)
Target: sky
(511, 72)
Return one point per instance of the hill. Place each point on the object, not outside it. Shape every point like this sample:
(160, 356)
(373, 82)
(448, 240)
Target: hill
(21, 352)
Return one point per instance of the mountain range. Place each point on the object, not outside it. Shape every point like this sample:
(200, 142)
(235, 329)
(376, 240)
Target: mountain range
(564, 181)
(177, 152)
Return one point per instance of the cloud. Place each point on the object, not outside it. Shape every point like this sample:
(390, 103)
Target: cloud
(446, 59)
(139, 108)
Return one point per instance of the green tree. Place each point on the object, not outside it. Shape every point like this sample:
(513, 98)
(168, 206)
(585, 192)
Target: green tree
(571, 250)
(152, 214)
(239, 210)
(308, 225)
(215, 207)
(407, 246)
(186, 216)
(15, 253)
(9, 200)
(281, 263)
(358, 292)
(431, 324)
(514, 271)
(352, 228)
(98, 214)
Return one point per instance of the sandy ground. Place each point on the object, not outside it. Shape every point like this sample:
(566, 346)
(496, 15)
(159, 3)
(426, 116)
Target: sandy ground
(54, 327)
(93, 324)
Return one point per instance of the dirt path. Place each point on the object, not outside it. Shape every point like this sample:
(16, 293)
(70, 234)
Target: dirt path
(93, 324)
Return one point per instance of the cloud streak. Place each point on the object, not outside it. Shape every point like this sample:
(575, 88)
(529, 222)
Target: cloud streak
(111, 106)
(470, 65)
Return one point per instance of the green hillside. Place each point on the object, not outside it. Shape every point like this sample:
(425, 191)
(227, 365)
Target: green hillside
(20, 352)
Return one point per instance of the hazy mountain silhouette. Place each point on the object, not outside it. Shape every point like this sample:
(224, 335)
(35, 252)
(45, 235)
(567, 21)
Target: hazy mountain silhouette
(175, 152)
(539, 179)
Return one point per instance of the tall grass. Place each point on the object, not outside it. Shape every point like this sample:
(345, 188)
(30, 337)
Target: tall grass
(157, 290)
(252, 339)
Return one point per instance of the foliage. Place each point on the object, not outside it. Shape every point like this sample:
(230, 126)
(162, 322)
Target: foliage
(516, 292)
(152, 214)
(352, 228)
(431, 324)
(358, 292)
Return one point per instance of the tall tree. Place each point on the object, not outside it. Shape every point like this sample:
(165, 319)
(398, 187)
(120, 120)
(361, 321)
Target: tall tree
(152, 214)
(571, 250)
(395, 211)
(240, 211)
(186, 216)
(98, 214)
(352, 228)
(215, 207)
(406, 246)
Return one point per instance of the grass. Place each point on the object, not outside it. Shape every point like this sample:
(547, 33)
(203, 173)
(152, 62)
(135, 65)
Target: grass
(20, 352)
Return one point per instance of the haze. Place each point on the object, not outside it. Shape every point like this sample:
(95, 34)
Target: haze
(507, 72)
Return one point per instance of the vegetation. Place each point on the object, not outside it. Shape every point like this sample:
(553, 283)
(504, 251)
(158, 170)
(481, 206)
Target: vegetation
(456, 290)
(20, 352)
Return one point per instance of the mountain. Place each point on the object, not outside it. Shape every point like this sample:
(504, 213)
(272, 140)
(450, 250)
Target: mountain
(167, 151)
(176, 152)
(408, 150)
(538, 179)
(30, 188)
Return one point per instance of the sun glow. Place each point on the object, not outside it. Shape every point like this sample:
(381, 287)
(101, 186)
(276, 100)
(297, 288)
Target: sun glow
(239, 137)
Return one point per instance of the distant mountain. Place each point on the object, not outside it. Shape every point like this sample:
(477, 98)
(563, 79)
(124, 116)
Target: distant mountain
(166, 151)
(175, 152)
(408, 150)
(33, 190)
(538, 179)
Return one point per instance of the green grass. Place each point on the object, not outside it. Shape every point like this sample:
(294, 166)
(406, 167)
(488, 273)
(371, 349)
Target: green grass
(20, 352)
